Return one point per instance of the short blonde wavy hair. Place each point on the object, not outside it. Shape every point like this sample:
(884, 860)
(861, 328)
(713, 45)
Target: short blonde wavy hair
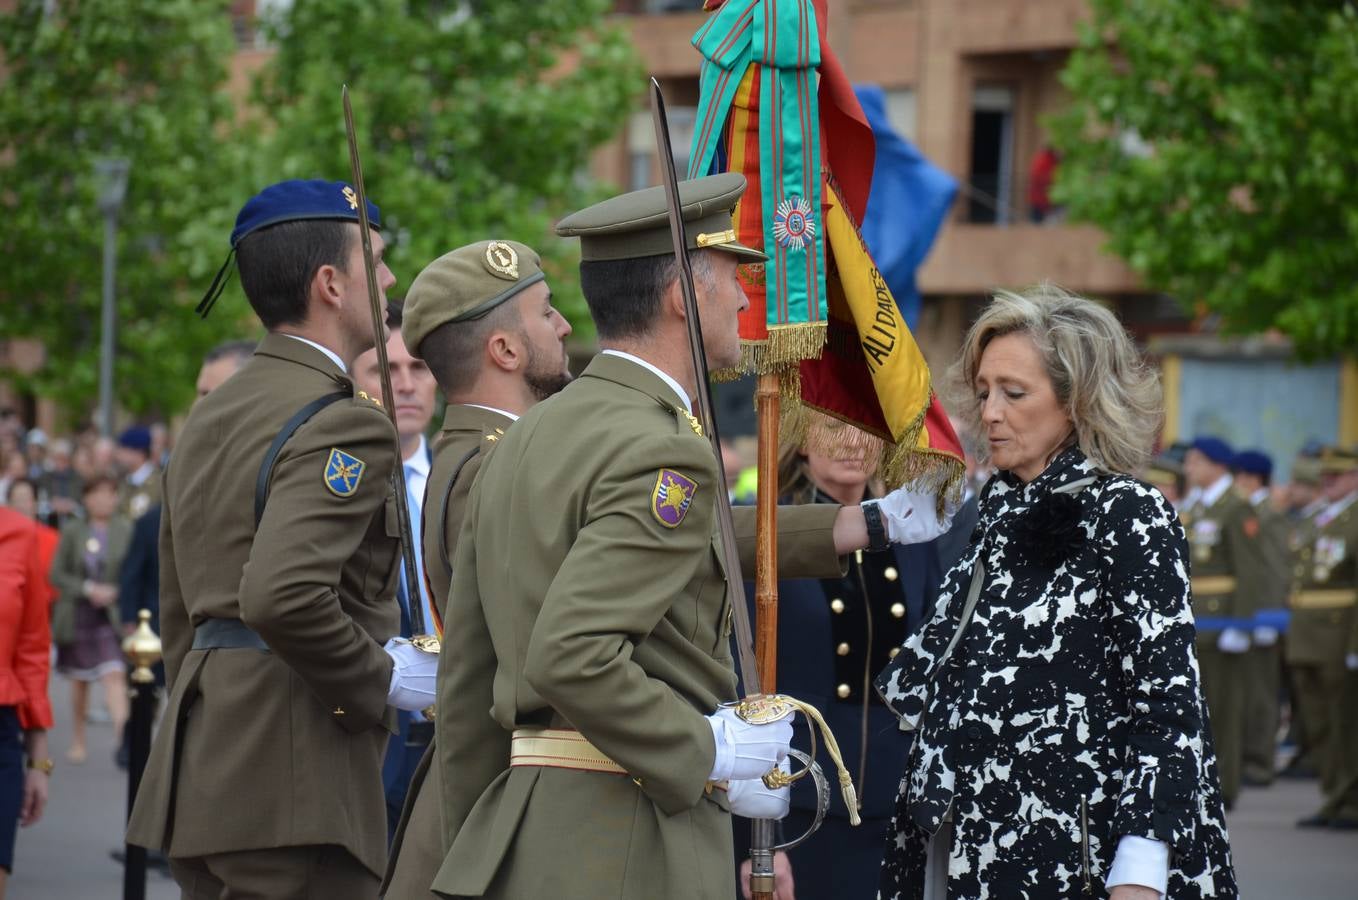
(1111, 395)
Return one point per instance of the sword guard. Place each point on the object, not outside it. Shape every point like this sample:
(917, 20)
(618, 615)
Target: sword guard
(763, 709)
(426, 643)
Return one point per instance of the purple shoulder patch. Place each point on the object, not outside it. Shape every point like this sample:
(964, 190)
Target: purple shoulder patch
(672, 497)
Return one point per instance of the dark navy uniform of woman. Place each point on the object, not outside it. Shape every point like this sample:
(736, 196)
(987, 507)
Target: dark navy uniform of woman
(833, 639)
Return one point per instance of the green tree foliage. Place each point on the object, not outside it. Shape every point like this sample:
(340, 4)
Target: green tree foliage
(140, 79)
(476, 118)
(1238, 187)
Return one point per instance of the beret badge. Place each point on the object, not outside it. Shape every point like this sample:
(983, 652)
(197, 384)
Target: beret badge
(502, 260)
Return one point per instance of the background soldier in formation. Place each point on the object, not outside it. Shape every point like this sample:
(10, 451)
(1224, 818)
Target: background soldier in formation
(1322, 646)
(1223, 536)
(481, 317)
(1252, 471)
(277, 573)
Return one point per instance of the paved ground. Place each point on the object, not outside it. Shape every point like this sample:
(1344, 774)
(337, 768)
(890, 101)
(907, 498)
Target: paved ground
(65, 856)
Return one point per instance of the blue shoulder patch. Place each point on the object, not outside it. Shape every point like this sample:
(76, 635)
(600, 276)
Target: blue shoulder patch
(343, 471)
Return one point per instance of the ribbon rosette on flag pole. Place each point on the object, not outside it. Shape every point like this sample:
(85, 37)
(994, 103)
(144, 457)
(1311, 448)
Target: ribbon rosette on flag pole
(776, 106)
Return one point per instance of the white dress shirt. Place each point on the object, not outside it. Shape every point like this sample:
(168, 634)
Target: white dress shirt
(334, 357)
(679, 392)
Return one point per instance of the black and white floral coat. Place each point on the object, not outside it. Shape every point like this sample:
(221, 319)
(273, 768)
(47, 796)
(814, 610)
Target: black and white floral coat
(1070, 712)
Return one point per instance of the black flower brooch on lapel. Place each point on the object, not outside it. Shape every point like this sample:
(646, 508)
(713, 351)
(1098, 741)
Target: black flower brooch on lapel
(1050, 530)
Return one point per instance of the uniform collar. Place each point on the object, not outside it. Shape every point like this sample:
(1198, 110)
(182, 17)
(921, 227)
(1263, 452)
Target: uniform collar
(304, 353)
(508, 415)
(1212, 493)
(331, 354)
(474, 417)
(665, 377)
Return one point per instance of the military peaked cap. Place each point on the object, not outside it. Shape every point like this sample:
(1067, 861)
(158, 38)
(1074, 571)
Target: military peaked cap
(636, 225)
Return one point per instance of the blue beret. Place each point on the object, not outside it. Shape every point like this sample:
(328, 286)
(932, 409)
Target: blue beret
(1215, 449)
(1252, 462)
(289, 201)
(136, 438)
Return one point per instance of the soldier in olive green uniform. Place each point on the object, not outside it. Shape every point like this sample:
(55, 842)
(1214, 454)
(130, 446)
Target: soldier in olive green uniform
(277, 586)
(581, 754)
(481, 317)
(1252, 471)
(1323, 644)
(1223, 536)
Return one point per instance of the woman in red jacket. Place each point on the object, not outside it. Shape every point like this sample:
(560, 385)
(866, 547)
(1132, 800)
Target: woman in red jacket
(25, 714)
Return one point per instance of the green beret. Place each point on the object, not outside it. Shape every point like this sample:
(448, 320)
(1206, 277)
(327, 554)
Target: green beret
(637, 225)
(466, 284)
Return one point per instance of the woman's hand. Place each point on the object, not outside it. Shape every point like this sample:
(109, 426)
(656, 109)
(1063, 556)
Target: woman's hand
(1133, 892)
(35, 797)
(102, 595)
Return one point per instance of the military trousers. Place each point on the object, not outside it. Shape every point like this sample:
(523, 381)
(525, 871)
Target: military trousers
(417, 849)
(1263, 681)
(1223, 685)
(1317, 694)
(1341, 798)
(326, 872)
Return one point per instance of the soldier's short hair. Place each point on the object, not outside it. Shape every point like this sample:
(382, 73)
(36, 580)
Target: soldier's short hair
(277, 264)
(624, 294)
(454, 350)
(237, 350)
(1101, 380)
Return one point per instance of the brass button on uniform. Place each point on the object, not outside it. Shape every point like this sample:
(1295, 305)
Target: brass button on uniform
(837, 605)
(898, 610)
(890, 573)
(894, 651)
(842, 649)
(843, 691)
(338, 710)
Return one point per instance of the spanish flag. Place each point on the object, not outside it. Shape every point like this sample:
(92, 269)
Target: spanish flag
(776, 106)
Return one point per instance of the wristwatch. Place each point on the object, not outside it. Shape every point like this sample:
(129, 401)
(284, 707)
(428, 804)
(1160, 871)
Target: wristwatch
(45, 766)
(877, 536)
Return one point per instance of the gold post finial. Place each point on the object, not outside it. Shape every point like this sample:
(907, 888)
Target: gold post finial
(142, 649)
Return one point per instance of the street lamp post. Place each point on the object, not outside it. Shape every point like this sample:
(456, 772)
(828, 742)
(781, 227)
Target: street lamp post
(112, 176)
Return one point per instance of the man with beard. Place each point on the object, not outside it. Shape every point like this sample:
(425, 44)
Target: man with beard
(481, 318)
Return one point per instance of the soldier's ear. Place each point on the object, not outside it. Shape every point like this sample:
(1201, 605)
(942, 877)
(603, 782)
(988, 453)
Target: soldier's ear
(672, 301)
(505, 351)
(328, 286)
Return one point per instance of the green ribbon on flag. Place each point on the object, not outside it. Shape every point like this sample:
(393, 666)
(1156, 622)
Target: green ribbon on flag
(781, 37)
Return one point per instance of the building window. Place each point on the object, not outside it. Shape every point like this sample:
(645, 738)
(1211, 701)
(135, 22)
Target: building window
(992, 155)
(641, 156)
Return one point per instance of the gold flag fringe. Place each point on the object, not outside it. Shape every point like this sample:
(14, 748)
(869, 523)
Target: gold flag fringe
(785, 347)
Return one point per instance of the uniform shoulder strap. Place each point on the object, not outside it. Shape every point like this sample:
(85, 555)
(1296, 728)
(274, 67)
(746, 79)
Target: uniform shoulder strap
(297, 420)
(443, 508)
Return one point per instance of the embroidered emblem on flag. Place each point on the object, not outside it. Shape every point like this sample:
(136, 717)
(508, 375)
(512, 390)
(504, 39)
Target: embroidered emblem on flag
(793, 227)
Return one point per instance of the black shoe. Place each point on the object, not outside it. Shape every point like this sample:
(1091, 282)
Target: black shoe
(154, 859)
(1295, 772)
(1344, 823)
(121, 756)
(1319, 820)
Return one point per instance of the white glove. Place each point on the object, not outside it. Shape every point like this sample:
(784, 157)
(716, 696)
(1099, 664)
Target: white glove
(911, 517)
(413, 674)
(751, 799)
(1233, 640)
(1351, 662)
(1265, 635)
(745, 750)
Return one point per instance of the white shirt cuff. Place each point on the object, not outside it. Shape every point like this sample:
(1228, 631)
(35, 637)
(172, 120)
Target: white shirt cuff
(725, 759)
(1140, 861)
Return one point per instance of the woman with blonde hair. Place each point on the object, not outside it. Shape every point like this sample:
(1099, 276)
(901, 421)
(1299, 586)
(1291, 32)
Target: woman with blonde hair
(1062, 747)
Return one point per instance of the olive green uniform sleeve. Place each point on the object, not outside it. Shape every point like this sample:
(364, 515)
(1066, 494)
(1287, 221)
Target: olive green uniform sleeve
(289, 592)
(579, 657)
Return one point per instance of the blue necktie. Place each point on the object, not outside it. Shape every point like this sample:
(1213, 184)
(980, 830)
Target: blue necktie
(413, 504)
